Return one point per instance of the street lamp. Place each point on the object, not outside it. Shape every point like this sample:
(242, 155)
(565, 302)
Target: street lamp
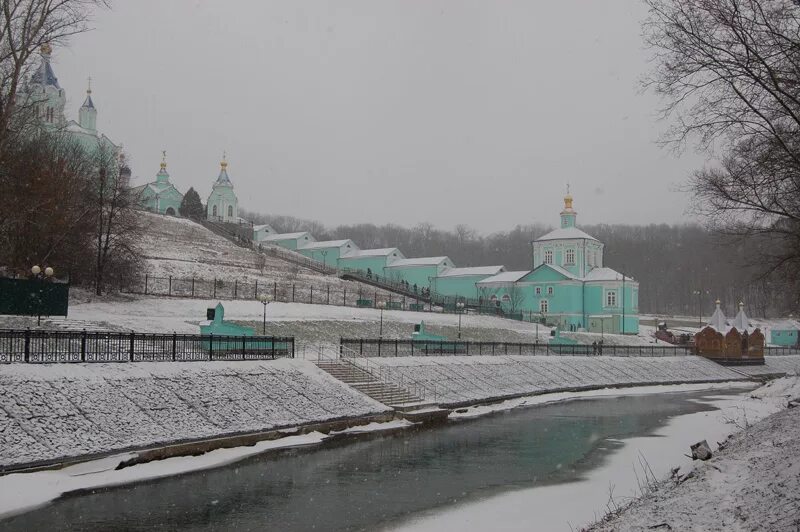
(42, 276)
(264, 299)
(699, 294)
(381, 305)
(460, 310)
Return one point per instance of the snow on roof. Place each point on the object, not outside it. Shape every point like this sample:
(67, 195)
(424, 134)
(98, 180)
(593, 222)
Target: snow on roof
(606, 274)
(421, 261)
(565, 233)
(505, 277)
(562, 271)
(784, 325)
(287, 236)
(380, 252)
(474, 270)
(741, 322)
(328, 244)
(718, 320)
(262, 227)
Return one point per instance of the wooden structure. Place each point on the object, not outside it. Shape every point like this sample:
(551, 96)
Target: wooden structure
(733, 348)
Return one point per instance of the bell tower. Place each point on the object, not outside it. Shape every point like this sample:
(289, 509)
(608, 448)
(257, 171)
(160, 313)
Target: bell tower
(568, 215)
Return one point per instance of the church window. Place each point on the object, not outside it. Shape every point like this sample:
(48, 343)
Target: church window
(538, 290)
(544, 305)
(548, 256)
(569, 257)
(214, 211)
(549, 290)
(611, 298)
(506, 298)
(230, 211)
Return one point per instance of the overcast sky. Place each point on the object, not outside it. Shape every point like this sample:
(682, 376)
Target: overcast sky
(346, 111)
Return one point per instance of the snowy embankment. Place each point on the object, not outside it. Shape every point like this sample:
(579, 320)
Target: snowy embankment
(752, 483)
(53, 412)
(463, 380)
(313, 324)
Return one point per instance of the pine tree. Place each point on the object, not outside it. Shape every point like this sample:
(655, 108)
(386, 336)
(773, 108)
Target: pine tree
(191, 206)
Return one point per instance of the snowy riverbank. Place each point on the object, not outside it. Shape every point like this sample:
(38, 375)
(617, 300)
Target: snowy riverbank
(59, 411)
(466, 380)
(752, 483)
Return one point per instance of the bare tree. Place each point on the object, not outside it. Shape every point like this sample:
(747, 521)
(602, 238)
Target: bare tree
(516, 296)
(729, 71)
(116, 226)
(25, 26)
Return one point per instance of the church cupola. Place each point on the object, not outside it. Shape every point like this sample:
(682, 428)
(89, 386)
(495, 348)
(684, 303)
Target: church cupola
(223, 179)
(47, 95)
(87, 115)
(568, 215)
(162, 176)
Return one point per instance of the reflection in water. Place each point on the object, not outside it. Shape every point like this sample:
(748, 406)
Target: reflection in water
(360, 484)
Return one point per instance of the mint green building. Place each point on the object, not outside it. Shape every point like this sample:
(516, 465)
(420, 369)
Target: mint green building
(370, 260)
(569, 287)
(49, 99)
(160, 196)
(418, 272)
(262, 232)
(462, 282)
(223, 205)
(784, 333)
(291, 241)
(328, 252)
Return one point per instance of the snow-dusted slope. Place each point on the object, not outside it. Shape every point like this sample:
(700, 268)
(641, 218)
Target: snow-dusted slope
(49, 412)
(181, 248)
(469, 379)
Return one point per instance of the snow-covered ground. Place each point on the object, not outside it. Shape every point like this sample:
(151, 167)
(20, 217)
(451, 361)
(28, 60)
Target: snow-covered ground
(48, 412)
(313, 324)
(753, 483)
(469, 379)
(182, 249)
(569, 506)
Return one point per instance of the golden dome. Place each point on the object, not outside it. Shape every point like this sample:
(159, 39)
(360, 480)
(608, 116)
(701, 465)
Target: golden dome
(224, 162)
(567, 202)
(164, 160)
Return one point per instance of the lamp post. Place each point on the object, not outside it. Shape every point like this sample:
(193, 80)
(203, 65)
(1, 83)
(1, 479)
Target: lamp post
(324, 254)
(42, 276)
(381, 305)
(264, 299)
(460, 310)
(699, 294)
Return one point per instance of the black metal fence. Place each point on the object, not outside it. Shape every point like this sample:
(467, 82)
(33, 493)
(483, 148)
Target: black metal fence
(371, 347)
(382, 347)
(35, 346)
(296, 292)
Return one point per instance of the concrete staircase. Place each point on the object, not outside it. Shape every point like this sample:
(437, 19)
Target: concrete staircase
(389, 394)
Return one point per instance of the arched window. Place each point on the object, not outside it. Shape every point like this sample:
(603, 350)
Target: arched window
(214, 211)
(506, 298)
(230, 211)
(548, 256)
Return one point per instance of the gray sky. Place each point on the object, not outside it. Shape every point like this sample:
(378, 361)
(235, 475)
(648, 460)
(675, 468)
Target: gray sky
(345, 111)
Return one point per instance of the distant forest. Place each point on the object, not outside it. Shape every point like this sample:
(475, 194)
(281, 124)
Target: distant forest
(672, 263)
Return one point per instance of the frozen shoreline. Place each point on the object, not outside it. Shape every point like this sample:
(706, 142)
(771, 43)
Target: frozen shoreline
(571, 505)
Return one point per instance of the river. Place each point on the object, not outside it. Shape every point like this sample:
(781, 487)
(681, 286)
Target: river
(382, 481)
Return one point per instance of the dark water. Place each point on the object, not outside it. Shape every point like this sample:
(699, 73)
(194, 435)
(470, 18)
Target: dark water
(364, 483)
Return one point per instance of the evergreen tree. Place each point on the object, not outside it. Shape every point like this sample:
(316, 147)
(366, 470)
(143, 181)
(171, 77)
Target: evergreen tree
(191, 206)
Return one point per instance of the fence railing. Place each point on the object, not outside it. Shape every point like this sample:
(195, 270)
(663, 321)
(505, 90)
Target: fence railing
(296, 292)
(372, 347)
(35, 346)
(384, 347)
